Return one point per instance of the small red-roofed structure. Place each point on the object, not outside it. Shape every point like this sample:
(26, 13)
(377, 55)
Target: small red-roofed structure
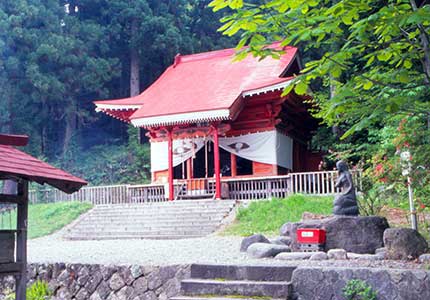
(208, 116)
(20, 168)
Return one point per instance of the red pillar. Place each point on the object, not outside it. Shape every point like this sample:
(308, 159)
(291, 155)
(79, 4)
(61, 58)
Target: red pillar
(170, 160)
(216, 163)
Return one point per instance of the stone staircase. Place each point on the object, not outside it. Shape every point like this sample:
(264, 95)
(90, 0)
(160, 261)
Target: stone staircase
(161, 220)
(230, 282)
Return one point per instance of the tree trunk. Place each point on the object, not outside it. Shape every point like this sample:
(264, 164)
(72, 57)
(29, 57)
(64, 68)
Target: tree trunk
(425, 44)
(70, 119)
(134, 69)
(134, 63)
(335, 129)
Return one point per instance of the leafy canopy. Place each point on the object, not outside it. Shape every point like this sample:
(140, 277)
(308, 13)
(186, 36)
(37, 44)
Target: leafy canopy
(375, 53)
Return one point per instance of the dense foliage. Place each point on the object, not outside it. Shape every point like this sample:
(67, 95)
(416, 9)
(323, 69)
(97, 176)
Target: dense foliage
(57, 56)
(367, 63)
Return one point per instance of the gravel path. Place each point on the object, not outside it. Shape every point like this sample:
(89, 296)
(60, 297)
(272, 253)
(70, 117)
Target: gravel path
(212, 249)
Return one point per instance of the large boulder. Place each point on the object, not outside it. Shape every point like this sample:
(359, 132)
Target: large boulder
(357, 234)
(255, 238)
(260, 250)
(404, 243)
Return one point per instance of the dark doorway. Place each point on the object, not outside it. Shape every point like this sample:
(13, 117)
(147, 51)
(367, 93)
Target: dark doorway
(244, 166)
(200, 162)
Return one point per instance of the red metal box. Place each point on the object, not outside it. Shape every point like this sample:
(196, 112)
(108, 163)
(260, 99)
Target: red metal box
(310, 236)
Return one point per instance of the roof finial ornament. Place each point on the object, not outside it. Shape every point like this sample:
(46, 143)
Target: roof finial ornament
(177, 60)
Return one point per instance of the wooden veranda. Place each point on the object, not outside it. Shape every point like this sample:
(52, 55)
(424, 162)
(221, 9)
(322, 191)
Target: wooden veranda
(265, 187)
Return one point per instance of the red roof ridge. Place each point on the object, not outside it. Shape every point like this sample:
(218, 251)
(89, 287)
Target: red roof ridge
(215, 54)
(13, 140)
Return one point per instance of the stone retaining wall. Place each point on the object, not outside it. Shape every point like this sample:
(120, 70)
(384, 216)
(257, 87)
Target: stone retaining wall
(327, 283)
(97, 282)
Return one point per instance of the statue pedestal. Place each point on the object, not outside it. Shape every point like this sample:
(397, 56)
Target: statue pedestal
(355, 234)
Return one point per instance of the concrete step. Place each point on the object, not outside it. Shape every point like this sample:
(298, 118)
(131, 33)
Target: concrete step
(275, 289)
(131, 237)
(166, 206)
(242, 272)
(175, 203)
(147, 231)
(185, 219)
(161, 220)
(142, 213)
(150, 223)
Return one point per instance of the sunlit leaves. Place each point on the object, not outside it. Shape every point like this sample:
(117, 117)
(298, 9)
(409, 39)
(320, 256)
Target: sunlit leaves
(372, 52)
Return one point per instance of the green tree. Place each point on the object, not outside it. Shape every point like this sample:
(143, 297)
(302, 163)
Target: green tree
(381, 62)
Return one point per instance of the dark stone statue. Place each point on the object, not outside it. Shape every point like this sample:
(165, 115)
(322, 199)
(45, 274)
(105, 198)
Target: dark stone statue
(345, 203)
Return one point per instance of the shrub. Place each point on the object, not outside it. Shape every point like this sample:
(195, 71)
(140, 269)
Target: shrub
(357, 289)
(37, 291)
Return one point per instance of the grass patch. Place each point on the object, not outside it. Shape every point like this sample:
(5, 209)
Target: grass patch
(44, 219)
(268, 216)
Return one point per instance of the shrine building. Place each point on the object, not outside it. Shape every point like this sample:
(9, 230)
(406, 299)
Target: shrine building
(210, 118)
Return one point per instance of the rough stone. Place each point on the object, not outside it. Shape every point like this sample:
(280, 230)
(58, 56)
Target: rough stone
(260, 250)
(63, 293)
(124, 293)
(321, 283)
(154, 281)
(103, 290)
(365, 256)
(404, 243)
(83, 276)
(256, 238)
(424, 258)
(149, 296)
(126, 275)
(140, 285)
(353, 233)
(281, 240)
(293, 255)
(116, 282)
(336, 254)
(82, 295)
(136, 271)
(107, 271)
(93, 282)
(319, 256)
(380, 250)
(95, 296)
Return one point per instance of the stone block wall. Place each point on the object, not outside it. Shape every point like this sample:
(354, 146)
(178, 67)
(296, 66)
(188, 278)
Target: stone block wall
(327, 283)
(99, 282)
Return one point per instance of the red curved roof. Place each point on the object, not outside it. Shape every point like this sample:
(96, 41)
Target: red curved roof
(15, 163)
(202, 85)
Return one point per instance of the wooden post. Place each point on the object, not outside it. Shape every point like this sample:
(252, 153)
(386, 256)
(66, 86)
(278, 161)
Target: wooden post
(233, 165)
(21, 240)
(190, 170)
(217, 164)
(170, 160)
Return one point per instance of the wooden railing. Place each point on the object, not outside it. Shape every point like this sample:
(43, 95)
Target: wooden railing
(316, 183)
(110, 194)
(194, 188)
(146, 193)
(258, 188)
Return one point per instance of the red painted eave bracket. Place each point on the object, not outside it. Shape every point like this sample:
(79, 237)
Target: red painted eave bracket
(13, 140)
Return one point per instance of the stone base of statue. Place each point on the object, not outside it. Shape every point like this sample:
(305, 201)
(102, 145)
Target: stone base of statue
(345, 205)
(357, 234)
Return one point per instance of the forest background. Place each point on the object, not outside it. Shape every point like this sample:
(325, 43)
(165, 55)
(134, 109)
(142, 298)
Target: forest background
(366, 62)
(57, 56)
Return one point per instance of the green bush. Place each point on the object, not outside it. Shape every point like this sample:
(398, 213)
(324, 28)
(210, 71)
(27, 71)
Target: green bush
(37, 291)
(357, 289)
